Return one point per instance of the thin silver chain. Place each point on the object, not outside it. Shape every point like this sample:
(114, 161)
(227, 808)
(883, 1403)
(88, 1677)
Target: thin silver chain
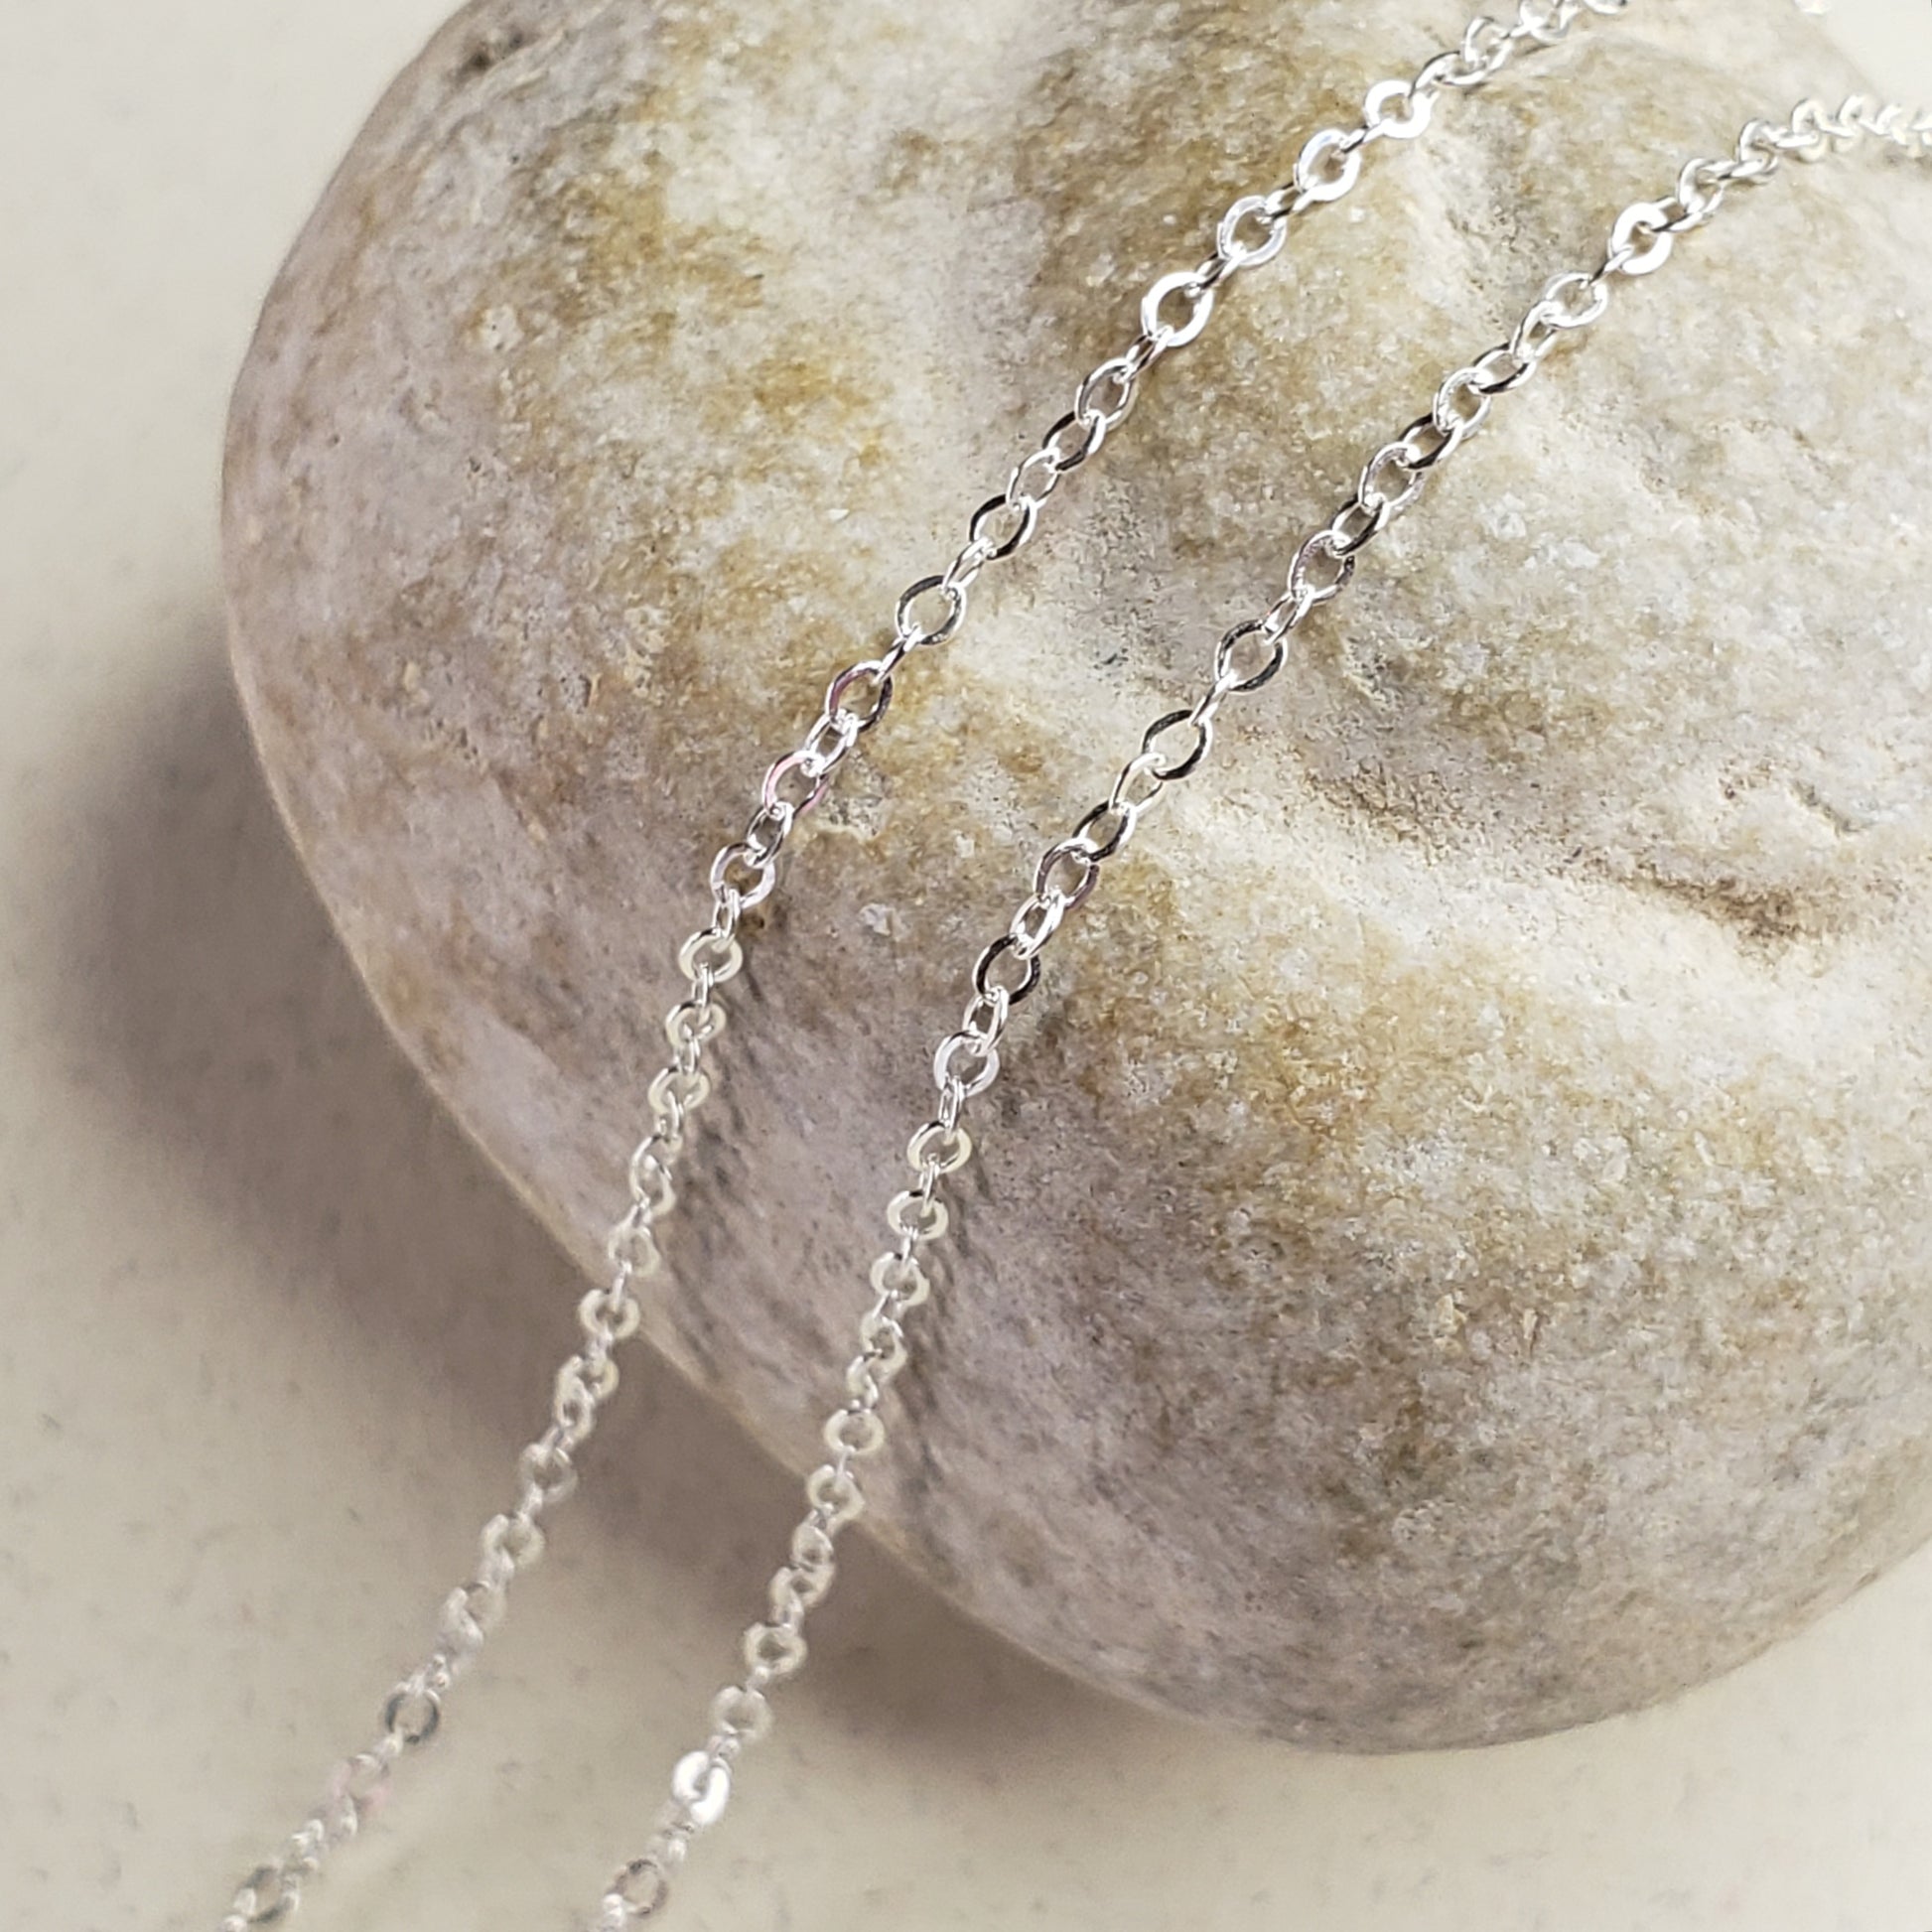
(745, 873)
(1174, 311)
(1173, 749)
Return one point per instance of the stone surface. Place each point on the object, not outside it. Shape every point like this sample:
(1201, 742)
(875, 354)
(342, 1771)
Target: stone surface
(1449, 1254)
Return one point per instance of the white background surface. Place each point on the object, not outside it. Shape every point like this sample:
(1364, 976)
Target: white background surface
(271, 1331)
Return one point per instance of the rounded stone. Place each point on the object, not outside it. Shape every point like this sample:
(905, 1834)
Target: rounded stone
(1448, 1255)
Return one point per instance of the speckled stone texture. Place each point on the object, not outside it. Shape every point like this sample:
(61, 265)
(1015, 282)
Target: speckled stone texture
(1450, 1258)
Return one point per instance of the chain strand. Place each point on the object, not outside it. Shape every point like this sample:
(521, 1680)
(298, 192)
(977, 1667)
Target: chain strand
(1007, 971)
(1174, 311)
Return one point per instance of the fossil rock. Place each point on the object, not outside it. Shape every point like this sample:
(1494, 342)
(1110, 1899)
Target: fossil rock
(1451, 1253)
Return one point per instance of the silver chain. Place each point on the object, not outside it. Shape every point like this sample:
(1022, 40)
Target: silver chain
(1172, 749)
(745, 873)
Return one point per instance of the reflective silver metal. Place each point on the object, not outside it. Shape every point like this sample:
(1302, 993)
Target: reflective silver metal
(967, 1060)
(1173, 749)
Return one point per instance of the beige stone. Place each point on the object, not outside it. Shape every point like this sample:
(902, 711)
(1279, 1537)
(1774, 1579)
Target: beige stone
(1449, 1254)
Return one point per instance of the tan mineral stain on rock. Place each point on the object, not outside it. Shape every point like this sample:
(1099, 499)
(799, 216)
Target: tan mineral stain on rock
(1449, 1254)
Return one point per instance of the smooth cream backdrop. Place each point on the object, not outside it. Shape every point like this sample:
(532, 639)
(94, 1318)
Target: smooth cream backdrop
(272, 1332)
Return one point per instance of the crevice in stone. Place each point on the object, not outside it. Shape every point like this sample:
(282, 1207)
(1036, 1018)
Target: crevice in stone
(491, 50)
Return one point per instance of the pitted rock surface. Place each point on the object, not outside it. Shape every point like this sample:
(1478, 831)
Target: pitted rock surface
(1449, 1257)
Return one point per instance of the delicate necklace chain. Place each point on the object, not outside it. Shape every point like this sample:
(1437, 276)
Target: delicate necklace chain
(1174, 311)
(1173, 749)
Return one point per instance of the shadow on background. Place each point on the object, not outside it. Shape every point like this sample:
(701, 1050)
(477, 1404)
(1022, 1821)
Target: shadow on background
(205, 976)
